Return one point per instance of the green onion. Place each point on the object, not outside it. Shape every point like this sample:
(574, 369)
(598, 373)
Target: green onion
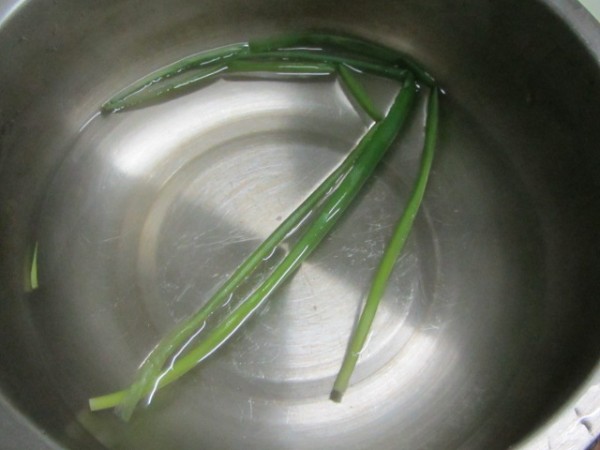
(358, 92)
(187, 81)
(205, 60)
(151, 367)
(163, 87)
(349, 44)
(308, 55)
(33, 274)
(363, 55)
(368, 66)
(391, 254)
(377, 141)
(281, 67)
(238, 58)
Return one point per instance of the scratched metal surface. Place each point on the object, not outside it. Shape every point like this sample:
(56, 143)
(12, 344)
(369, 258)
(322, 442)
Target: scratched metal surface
(490, 324)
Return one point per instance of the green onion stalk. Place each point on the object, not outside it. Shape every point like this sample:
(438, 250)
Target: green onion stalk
(306, 55)
(391, 254)
(341, 43)
(151, 367)
(205, 61)
(378, 140)
(198, 70)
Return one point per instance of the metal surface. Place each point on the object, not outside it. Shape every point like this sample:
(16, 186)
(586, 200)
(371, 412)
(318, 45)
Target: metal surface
(491, 325)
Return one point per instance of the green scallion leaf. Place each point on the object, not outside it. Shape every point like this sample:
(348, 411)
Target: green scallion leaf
(391, 254)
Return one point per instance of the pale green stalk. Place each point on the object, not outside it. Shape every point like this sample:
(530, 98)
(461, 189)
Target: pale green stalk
(348, 44)
(358, 92)
(377, 141)
(280, 67)
(391, 254)
(368, 66)
(206, 60)
(151, 367)
(33, 275)
(201, 77)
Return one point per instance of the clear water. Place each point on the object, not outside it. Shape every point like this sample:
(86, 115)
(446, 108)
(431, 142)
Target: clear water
(153, 208)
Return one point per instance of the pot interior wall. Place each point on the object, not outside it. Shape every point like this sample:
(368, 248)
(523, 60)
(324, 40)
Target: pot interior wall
(492, 318)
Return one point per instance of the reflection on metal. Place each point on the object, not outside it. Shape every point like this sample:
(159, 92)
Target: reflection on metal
(8, 9)
(501, 327)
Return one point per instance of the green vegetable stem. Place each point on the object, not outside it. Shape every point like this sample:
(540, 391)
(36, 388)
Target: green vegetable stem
(377, 141)
(305, 55)
(150, 369)
(358, 92)
(268, 56)
(391, 254)
(350, 44)
(208, 61)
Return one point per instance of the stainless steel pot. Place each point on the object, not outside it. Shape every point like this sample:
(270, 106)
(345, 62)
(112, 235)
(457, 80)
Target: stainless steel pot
(489, 336)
